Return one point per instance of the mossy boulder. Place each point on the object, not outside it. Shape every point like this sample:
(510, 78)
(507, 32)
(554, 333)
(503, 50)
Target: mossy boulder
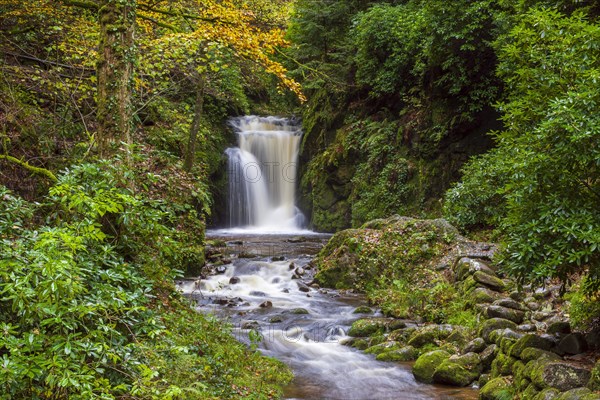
(497, 389)
(476, 345)
(594, 382)
(547, 394)
(482, 296)
(531, 353)
(492, 324)
(490, 281)
(363, 310)
(452, 373)
(354, 258)
(427, 363)
(530, 341)
(502, 365)
(407, 353)
(510, 314)
(382, 348)
(557, 374)
(578, 394)
(467, 266)
(429, 335)
(368, 327)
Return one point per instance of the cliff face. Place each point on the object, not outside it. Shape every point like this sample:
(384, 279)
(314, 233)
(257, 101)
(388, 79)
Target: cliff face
(372, 165)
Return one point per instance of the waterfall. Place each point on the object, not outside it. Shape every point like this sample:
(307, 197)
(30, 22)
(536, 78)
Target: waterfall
(262, 174)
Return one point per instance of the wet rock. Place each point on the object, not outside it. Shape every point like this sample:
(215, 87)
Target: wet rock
(266, 304)
(492, 324)
(407, 353)
(276, 319)
(226, 260)
(573, 343)
(490, 281)
(496, 389)
(427, 363)
(285, 290)
(251, 325)
(382, 348)
(277, 258)
(559, 327)
(292, 266)
(315, 286)
(302, 287)
(299, 311)
(362, 310)
(300, 271)
(257, 293)
(529, 341)
(367, 327)
(221, 301)
(236, 242)
(220, 269)
(510, 314)
(559, 375)
(234, 280)
(246, 254)
(476, 345)
(396, 324)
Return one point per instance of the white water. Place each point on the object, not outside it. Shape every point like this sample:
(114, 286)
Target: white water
(262, 175)
(311, 344)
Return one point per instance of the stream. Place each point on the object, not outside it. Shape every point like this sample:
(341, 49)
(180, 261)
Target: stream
(300, 325)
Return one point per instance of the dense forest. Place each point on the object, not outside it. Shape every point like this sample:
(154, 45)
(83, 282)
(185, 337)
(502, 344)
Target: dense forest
(113, 126)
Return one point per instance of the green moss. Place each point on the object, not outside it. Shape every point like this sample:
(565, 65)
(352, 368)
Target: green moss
(427, 363)
(497, 389)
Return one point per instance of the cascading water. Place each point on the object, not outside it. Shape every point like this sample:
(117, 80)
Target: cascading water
(262, 174)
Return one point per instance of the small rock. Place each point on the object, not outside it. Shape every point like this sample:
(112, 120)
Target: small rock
(517, 296)
(496, 389)
(487, 356)
(542, 293)
(476, 345)
(303, 287)
(250, 325)
(300, 271)
(492, 324)
(299, 311)
(266, 304)
(483, 295)
(277, 258)
(286, 290)
(257, 293)
(573, 343)
(362, 310)
(533, 306)
(292, 266)
(246, 254)
(510, 303)
(220, 269)
(234, 280)
(221, 301)
(276, 319)
(541, 315)
(527, 328)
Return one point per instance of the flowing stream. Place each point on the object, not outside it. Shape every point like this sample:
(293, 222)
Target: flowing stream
(265, 288)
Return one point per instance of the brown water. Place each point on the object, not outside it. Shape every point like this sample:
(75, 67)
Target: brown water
(309, 343)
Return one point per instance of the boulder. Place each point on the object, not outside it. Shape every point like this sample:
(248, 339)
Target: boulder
(452, 373)
(266, 304)
(487, 356)
(234, 280)
(367, 327)
(573, 343)
(559, 375)
(502, 365)
(529, 341)
(510, 314)
(382, 348)
(468, 266)
(492, 324)
(559, 327)
(497, 389)
(429, 334)
(299, 311)
(427, 363)
(531, 353)
(577, 394)
(407, 353)
(489, 281)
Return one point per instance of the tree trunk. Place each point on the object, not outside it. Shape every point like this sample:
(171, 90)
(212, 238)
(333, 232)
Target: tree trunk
(115, 73)
(195, 128)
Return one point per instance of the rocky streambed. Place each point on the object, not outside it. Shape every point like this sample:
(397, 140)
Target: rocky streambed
(263, 285)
